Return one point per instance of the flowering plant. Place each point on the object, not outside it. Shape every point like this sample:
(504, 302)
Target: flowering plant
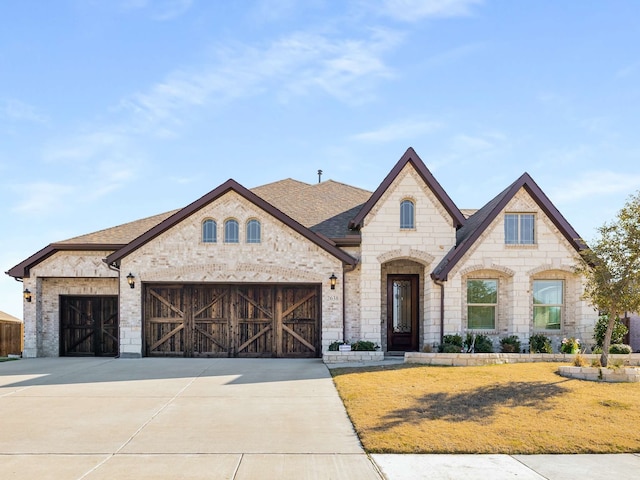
(570, 345)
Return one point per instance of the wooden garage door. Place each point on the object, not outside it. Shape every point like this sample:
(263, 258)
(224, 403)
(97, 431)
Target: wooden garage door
(232, 320)
(88, 325)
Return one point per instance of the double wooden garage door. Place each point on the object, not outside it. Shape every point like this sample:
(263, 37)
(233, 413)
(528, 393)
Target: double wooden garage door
(232, 320)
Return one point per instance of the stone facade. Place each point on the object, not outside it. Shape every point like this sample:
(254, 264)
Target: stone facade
(288, 253)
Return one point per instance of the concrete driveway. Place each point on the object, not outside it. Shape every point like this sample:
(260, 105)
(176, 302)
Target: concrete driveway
(91, 418)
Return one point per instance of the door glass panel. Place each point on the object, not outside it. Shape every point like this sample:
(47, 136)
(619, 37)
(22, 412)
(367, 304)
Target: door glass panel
(401, 306)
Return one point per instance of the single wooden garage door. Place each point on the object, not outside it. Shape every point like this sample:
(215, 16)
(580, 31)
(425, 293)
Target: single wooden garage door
(88, 326)
(232, 320)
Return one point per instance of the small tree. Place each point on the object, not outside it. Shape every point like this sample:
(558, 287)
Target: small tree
(611, 268)
(617, 334)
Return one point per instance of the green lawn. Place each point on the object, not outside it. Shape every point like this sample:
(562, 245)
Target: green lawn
(518, 408)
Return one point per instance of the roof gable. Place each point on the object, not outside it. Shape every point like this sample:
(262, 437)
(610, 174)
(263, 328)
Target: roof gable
(410, 157)
(478, 223)
(229, 185)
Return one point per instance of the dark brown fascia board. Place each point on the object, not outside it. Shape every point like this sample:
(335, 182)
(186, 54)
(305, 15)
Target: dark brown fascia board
(349, 241)
(229, 185)
(410, 156)
(525, 181)
(22, 269)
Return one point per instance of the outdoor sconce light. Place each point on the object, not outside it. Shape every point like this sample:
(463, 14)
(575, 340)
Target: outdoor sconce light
(332, 281)
(27, 295)
(131, 280)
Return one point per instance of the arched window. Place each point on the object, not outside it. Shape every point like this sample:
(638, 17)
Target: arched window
(407, 215)
(231, 231)
(209, 231)
(253, 231)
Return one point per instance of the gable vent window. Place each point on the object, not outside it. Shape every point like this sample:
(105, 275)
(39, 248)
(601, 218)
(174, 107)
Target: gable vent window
(209, 231)
(231, 231)
(253, 231)
(519, 228)
(407, 215)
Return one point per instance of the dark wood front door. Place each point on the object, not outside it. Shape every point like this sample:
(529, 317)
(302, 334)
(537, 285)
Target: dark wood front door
(88, 326)
(402, 312)
(232, 320)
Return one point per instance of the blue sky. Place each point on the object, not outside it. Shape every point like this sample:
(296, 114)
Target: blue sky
(114, 110)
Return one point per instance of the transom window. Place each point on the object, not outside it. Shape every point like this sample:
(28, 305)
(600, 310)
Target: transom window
(253, 231)
(548, 301)
(519, 229)
(407, 214)
(231, 231)
(482, 302)
(209, 231)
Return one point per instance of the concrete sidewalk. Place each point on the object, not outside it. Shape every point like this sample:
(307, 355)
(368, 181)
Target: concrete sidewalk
(88, 418)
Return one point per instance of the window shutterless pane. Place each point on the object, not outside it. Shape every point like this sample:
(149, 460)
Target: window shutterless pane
(209, 231)
(548, 292)
(527, 226)
(511, 229)
(407, 214)
(481, 317)
(482, 291)
(253, 231)
(547, 318)
(231, 231)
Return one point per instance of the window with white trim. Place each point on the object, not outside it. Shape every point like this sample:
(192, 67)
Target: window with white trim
(231, 231)
(407, 215)
(482, 303)
(519, 228)
(548, 303)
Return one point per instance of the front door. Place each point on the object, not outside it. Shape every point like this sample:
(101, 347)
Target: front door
(402, 312)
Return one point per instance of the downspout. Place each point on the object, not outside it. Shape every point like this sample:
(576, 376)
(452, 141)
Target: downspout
(344, 300)
(440, 283)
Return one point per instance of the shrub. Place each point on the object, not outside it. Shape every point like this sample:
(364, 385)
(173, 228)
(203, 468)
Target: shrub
(364, 346)
(618, 333)
(540, 343)
(579, 361)
(450, 348)
(478, 343)
(452, 340)
(596, 363)
(619, 348)
(451, 344)
(335, 346)
(510, 344)
(570, 345)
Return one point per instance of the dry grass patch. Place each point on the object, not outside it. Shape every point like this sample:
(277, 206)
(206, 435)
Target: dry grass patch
(519, 408)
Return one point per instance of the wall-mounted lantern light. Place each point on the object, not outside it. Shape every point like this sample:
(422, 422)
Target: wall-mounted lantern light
(131, 280)
(27, 295)
(332, 281)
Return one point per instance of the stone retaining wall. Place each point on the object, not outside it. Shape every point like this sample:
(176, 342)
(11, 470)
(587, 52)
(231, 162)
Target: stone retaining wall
(599, 374)
(473, 359)
(357, 356)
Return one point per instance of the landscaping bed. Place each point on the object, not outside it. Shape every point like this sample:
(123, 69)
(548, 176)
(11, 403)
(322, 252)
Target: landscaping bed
(524, 408)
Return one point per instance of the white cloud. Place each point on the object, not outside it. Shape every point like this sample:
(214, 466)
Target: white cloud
(295, 65)
(401, 130)
(86, 147)
(415, 10)
(596, 183)
(17, 110)
(41, 198)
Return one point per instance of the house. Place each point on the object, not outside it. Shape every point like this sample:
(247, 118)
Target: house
(288, 268)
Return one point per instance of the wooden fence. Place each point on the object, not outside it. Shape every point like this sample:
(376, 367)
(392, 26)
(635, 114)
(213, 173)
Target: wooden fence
(11, 334)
